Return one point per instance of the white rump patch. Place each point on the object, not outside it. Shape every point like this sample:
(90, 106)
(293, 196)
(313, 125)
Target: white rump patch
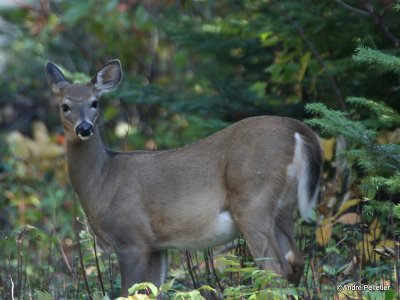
(289, 256)
(298, 170)
(224, 224)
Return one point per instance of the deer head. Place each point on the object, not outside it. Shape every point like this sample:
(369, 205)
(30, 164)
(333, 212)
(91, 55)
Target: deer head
(78, 103)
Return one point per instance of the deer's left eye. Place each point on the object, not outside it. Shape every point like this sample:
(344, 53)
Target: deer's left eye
(65, 107)
(94, 104)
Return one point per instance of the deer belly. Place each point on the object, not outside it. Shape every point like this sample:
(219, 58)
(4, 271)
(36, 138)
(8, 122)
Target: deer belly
(219, 231)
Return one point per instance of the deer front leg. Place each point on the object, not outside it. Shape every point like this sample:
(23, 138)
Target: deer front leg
(133, 263)
(157, 268)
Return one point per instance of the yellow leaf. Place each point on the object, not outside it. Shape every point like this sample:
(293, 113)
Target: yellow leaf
(18, 146)
(385, 249)
(365, 248)
(383, 137)
(40, 133)
(346, 205)
(386, 137)
(369, 237)
(90, 270)
(324, 232)
(349, 219)
(328, 148)
(386, 243)
(375, 229)
(139, 297)
(351, 293)
(52, 151)
(394, 137)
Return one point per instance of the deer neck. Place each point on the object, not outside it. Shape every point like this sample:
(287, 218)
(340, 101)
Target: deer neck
(86, 160)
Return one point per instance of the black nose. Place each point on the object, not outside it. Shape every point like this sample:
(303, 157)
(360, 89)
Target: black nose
(84, 129)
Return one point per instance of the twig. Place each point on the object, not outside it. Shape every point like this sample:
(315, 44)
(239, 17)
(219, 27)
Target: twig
(49, 258)
(97, 265)
(385, 30)
(214, 271)
(369, 12)
(82, 265)
(189, 264)
(353, 9)
(320, 60)
(20, 239)
(67, 263)
(12, 288)
(80, 254)
(318, 290)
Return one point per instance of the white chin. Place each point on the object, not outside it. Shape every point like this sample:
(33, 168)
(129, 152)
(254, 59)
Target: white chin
(84, 138)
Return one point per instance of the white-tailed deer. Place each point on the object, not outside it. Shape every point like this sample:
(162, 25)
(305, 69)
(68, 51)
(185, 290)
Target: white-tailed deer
(247, 178)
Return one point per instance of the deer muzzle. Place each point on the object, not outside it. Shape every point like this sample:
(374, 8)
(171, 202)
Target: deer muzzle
(84, 130)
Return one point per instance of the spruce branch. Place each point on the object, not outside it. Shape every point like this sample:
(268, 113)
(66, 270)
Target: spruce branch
(383, 112)
(385, 62)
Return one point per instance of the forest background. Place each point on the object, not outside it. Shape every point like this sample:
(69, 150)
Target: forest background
(190, 69)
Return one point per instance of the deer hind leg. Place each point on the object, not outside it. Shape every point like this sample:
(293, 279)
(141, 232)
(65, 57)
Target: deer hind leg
(285, 231)
(268, 229)
(285, 236)
(257, 224)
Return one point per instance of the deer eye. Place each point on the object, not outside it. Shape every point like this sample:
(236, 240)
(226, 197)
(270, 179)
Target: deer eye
(94, 104)
(65, 107)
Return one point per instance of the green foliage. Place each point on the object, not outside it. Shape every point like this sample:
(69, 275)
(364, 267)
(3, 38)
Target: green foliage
(333, 122)
(255, 283)
(190, 69)
(375, 164)
(147, 290)
(374, 158)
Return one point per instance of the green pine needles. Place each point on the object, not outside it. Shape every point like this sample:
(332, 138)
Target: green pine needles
(376, 163)
(381, 61)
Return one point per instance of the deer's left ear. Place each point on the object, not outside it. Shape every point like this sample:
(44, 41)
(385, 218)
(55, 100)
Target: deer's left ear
(108, 77)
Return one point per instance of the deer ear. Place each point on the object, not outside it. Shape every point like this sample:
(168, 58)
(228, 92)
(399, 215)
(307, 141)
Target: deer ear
(55, 77)
(108, 77)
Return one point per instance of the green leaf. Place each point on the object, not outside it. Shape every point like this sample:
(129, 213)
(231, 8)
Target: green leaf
(106, 297)
(193, 295)
(43, 295)
(390, 294)
(165, 287)
(207, 288)
(143, 286)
